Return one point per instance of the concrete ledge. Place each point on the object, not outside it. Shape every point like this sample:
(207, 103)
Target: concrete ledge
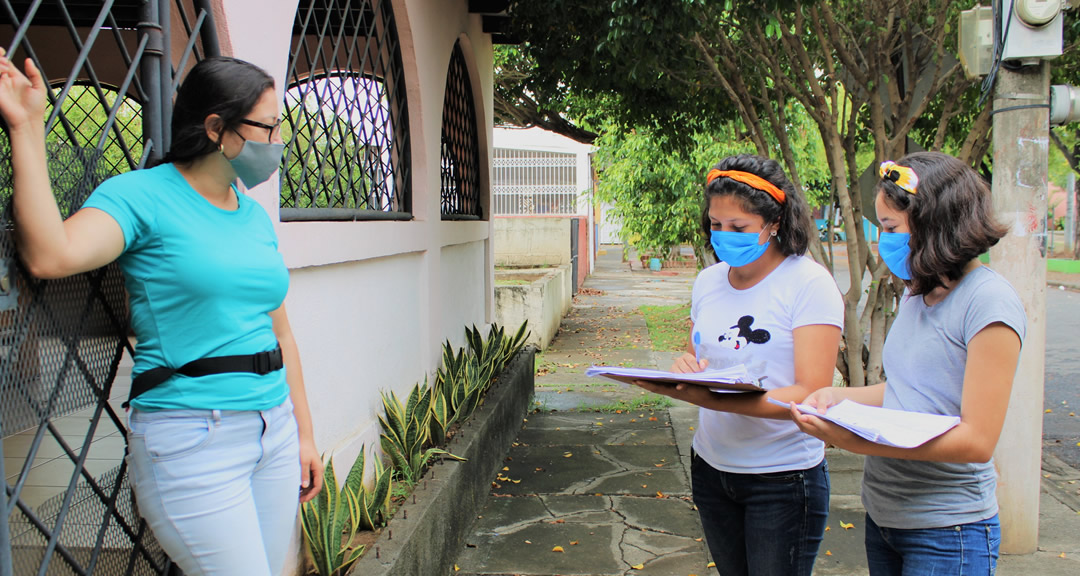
(543, 299)
(427, 533)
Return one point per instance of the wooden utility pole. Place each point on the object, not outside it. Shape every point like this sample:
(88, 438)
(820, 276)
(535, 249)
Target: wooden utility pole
(1021, 139)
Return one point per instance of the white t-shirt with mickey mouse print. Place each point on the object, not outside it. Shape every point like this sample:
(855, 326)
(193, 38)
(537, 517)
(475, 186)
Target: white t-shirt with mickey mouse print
(754, 327)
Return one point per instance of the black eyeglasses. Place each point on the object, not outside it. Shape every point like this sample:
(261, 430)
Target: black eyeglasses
(271, 129)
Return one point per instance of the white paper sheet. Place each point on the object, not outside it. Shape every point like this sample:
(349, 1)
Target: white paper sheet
(885, 426)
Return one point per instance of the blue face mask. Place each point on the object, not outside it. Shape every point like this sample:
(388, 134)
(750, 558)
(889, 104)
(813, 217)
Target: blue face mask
(894, 249)
(737, 248)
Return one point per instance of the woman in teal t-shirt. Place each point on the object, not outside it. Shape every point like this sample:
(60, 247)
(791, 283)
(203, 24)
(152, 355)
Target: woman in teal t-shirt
(217, 455)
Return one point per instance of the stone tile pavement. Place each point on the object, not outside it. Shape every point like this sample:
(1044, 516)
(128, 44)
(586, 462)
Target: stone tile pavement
(607, 493)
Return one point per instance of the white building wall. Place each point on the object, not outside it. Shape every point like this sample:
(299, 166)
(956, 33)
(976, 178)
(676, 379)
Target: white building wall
(370, 303)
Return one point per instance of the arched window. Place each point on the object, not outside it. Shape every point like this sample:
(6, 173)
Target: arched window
(346, 123)
(460, 158)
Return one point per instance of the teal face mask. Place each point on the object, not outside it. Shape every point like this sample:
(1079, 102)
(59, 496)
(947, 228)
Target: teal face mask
(256, 162)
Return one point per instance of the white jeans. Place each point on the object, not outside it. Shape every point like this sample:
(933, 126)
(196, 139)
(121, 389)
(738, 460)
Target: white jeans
(220, 489)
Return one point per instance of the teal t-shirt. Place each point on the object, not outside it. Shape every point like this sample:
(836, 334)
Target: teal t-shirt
(201, 282)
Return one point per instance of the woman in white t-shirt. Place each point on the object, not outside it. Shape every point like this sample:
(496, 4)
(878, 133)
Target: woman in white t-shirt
(761, 487)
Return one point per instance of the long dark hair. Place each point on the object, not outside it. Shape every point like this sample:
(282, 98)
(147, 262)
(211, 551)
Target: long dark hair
(950, 216)
(227, 87)
(793, 235)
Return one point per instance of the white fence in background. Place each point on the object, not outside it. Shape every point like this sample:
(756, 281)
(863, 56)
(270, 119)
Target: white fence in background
(535, 182)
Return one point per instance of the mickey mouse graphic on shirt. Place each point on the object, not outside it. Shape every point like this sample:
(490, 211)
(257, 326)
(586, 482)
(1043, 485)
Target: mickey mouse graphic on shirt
(741, 335)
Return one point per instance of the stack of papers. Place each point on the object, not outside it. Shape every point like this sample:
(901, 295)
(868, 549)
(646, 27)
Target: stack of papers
(885, 426)
(732, 379)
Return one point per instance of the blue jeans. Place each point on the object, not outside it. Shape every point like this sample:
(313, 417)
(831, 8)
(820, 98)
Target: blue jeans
(967, 549)
(762, 524)
(219, 489)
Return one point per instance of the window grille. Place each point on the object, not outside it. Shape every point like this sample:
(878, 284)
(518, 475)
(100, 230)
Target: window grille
(346, 124)
(534, 182)
(112, 68)
(460, 157)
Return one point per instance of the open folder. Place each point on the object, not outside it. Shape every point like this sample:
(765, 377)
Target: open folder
(886, 426)
(731, 379)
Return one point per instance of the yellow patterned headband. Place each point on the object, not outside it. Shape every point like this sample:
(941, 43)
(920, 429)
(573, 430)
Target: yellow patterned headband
(902, 176)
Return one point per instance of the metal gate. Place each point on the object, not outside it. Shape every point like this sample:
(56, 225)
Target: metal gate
(113, 67)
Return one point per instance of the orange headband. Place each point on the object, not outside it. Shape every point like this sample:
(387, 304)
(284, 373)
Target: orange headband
(751, 180)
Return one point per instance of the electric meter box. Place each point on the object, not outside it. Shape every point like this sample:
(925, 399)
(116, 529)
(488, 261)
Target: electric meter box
(1032, 29)
(977, 41)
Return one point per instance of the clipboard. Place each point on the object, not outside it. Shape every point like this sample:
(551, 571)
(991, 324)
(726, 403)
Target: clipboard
(733, 379)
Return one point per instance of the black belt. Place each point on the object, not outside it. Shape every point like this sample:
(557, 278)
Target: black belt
(260, 363)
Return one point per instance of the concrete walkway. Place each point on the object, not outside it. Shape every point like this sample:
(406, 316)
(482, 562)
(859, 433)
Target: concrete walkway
(587, 492)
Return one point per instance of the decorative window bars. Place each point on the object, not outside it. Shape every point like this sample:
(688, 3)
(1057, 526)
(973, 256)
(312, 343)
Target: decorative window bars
(534, 182)
(460, 157)
(346, 125)
(112, 68)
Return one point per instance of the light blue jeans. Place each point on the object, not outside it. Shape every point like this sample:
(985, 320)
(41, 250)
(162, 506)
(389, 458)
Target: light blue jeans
(220, 489)
(964, 550)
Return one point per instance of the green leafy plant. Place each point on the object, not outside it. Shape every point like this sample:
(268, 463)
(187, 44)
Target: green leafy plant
(331, 520)
(406, 431)
(448, 393)
(488, 351)
(511, 346)
(375, 503)
(466, 375)
(475, 381)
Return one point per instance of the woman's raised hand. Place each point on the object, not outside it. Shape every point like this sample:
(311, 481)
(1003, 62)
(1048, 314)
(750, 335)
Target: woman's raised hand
(22, 96)
(688, 363)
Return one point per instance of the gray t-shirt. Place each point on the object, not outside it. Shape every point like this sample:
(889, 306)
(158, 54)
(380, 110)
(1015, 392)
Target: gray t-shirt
(924, 358)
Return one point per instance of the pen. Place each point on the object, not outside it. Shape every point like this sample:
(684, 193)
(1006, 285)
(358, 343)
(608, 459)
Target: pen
(697, 348)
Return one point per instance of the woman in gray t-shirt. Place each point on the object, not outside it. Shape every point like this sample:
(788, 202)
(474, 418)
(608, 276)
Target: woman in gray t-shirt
(952, 349)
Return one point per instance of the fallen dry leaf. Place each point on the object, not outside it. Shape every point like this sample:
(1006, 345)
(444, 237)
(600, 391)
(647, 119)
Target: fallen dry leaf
(557, 549)
(846, 526)
(711, 565)
(638, 566)
(828, 552)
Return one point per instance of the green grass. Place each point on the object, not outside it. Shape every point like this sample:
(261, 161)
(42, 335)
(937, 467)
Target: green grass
(640, 404)
(669, 326)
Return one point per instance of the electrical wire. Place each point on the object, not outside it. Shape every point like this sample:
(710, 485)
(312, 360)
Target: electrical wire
(1000, 38)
